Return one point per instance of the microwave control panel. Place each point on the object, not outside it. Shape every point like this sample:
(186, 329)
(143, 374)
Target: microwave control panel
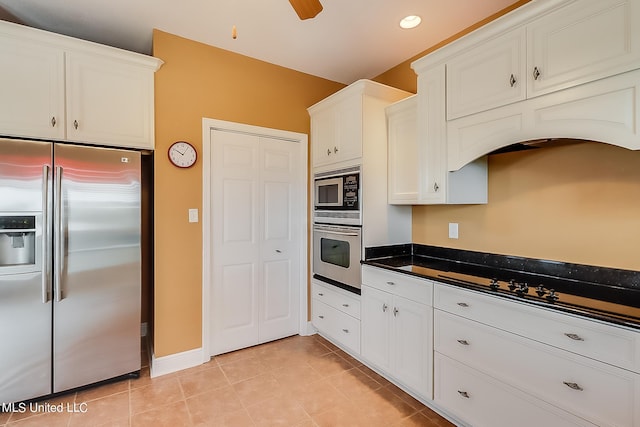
(350, 189)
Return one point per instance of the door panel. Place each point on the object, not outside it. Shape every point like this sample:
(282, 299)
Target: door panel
(96, 319)
(25, 360)
(255, 219)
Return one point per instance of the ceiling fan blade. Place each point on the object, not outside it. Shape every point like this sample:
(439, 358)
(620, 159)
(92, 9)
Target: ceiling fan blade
(306, 9)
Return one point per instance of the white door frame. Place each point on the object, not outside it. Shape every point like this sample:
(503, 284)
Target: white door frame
(213, 124)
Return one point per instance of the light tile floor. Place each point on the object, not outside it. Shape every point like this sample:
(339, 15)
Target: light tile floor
(297, 381)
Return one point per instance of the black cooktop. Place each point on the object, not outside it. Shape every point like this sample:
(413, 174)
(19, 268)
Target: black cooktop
(607, 294)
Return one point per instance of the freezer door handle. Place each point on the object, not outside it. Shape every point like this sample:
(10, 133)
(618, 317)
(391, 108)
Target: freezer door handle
(58, 239)
(45, 234)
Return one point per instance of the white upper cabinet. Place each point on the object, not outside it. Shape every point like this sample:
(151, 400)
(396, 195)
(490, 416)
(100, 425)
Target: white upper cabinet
(576, 44)
(417, 152)
(549, 69)
(60, 88)
(487, 76)
(343, 123)
(108, 101)
(336, 131)
(32, 87)
(582, 42)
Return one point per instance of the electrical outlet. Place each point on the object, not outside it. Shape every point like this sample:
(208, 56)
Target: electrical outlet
(453, 230)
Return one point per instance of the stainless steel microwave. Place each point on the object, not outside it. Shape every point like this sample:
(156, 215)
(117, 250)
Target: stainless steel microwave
(337, 197)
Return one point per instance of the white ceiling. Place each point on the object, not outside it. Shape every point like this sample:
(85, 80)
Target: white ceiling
(347, 41)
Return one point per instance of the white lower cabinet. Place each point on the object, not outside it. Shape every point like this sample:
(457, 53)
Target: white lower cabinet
(500, 350)
(397, 328)
(336, 315)
(483, 401)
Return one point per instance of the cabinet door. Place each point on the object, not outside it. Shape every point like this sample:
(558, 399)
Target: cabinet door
(323, 137)
(582, 42)
(432, 134)
(403, 158)
(376, 309)
(109, 102)
(490, 75)
(32, 88)
(412, 349)
(349, 121)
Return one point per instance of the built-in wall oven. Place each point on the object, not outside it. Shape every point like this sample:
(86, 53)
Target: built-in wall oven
(337, 250)
(337, 197)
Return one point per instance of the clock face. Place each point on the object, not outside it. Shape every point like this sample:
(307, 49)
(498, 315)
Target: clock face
(182, 154)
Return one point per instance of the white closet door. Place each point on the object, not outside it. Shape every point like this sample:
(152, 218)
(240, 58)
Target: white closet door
(256, 248)
(280, 243)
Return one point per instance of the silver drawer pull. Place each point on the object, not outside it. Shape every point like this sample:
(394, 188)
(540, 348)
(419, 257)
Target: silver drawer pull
(463, 394)
(573, 386)
(345, 305)
(395, 311)
(463, 304)
(320, 294)
(346, 331)
(322, 317)
(575, 337)
(391, 283)
(384, 308)
(463, 342)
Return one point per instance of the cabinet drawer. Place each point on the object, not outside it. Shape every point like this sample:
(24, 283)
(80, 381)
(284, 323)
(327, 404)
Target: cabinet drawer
(341, 327)
(618, 346)
(598, 392)
(485, 402)
(337, 298)
(418, 290)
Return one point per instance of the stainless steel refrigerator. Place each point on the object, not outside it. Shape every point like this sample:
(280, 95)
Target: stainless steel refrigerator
(70, 270)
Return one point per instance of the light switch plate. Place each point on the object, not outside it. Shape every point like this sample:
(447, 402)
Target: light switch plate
(193, 215)
(453, 230)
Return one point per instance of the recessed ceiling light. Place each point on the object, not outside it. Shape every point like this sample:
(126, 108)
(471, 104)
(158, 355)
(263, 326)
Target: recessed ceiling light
(410, 21)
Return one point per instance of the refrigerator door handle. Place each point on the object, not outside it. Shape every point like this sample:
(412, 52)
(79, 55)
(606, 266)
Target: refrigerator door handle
(59, 237)
(45, 234)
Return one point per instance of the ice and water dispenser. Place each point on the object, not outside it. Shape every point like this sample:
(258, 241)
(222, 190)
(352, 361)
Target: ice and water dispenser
(17, 242)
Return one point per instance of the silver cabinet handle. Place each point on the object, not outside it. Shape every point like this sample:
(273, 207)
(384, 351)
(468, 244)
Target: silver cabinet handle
(45, 232)
(328, 152)
(320, 294)
(346, 331)
(536, 73)
(384, 308)
(278, 251)
(395, 311)
(391, 283)
(573, 386)
(53, 121)
(435, 186)
(345, 305)
(335, 150)
(463, 394)
(75, 124)
(463, 304)
(322, 317)
(574, 337)
(463, 342)
(512, 80)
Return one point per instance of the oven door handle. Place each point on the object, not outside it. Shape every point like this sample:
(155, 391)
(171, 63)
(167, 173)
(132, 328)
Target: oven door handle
(339, 233)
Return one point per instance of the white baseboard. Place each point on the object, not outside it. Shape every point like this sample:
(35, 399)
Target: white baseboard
(175, 362)
(308, 330)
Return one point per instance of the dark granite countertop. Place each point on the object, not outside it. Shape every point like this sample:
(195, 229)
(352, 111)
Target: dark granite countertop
(607, 294)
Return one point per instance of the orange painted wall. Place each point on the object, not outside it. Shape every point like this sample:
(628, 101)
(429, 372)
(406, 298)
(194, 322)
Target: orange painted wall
(199, 81)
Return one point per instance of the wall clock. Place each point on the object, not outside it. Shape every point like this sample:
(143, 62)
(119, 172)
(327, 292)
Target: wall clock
(182, 154)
